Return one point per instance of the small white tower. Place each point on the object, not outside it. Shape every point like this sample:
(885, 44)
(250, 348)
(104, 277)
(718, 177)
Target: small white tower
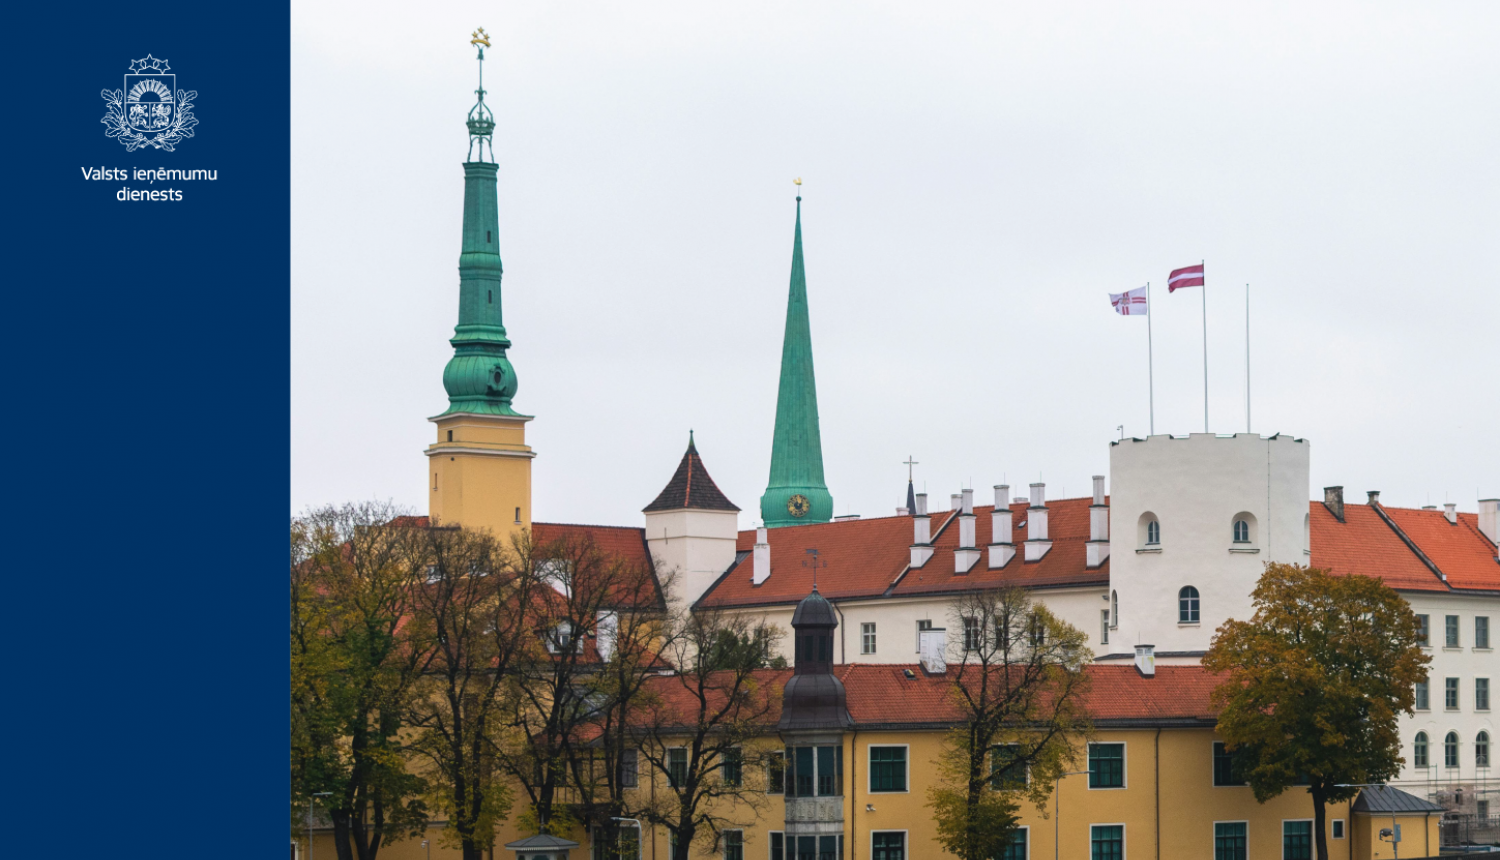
(691, 528)
(1193, 523)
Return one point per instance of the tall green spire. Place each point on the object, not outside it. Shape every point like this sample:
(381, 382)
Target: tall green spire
(796, 494)
(479, 378)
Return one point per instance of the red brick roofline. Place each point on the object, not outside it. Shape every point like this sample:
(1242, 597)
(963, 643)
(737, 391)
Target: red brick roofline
(1410, 544)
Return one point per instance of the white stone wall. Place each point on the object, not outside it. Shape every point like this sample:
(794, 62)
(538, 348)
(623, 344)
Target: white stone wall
(1465, 663)
(1195, 488)
(697, 545)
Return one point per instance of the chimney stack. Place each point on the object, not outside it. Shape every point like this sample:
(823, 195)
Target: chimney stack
(956, 502)
(606, 633)
(921, 542)
(1097, 548)
(1002, 550)
(1333, 499)
(1145, 660)
(1450, 512)
(968, 501)
(1037, 542)
(1374, 497)
(967, 553)
(760, 570)
(933, 646)
(1489, 519)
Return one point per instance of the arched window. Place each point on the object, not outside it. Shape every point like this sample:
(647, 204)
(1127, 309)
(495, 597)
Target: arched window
(1482, 749)
(1153, 532)
(1148, 532)
(1114, 609)
(1241, 531)
(1187, 605)
(1419, 750)
(1450, 750)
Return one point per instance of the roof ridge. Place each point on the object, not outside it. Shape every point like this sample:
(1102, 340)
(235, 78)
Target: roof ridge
(1410, 544)
(640, 529)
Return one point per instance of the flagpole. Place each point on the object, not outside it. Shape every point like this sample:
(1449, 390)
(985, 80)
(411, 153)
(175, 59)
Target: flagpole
(1247, 358)
(1150, 360)
(1205, 345)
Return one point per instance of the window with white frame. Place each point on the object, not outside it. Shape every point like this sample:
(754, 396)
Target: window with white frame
(1016, 847)
(1450, 694)
(734, 844)
(1338, 828)
(973, 634)
(1450, 750)
(1481, 694)
(890, 845)
(887, 768)
(1424, 630)
(1482, 749)
(1481, 631)
(1107, 842)
(867, 637)
(1296, 840)
(1230, 840)
(1187, 605)
(676, 766)
(1104, 627)
(1450, 631)
(924, 624)
(1420, 693)
(778, 844)
(629, 768)
(1419, 750)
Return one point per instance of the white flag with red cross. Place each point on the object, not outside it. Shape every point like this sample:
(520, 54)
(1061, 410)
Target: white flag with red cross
(1130, 304)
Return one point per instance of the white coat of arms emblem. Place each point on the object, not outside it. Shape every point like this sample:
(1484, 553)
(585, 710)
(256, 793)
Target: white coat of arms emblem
(149, 111)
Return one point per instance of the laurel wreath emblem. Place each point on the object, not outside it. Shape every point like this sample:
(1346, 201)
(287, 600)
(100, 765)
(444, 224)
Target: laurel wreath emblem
(180, 129)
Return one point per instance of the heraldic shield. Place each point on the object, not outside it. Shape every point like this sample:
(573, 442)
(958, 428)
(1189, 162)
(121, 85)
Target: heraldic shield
(149, 102)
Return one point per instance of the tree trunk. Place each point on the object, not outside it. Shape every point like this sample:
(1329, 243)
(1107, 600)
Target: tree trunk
(685, 832)
(341, 833)
(1320, 838)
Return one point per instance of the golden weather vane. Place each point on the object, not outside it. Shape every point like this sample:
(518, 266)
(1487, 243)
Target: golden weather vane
(797, 181)
(480, 38)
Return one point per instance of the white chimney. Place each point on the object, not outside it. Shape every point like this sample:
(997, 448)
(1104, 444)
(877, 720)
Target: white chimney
(1001, 548)
(1097, 549)
(921, 543)
(956, 502)
(1450, 512)
(967, 554)
(606, 633)
(1037, 542)
(1145, 660)
(760, 569)
(1489, 519)
(933, 646)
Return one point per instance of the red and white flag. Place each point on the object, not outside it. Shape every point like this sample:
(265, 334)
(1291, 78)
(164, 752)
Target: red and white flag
(1191, 276)
(1130, 304)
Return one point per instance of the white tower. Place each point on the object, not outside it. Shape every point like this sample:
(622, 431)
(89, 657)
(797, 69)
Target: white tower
(691, 529)
(1193, 523)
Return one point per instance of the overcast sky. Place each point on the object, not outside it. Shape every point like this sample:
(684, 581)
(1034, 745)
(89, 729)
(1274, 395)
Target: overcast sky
(978, 179)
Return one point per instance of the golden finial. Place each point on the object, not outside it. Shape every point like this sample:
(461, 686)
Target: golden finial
(797, 181)
(480, 38)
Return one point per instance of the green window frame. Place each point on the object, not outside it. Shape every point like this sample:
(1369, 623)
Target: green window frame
(1107, 842)
(1296, 840)
(1450, 631)
(887, 769)
(1016, 848)
(778, 845)
(1424, 630)
(776, 773)
(1006, 774)
(1481, 631)
(676, 766)
(1230, 840)
(1106, 765)
(888, 845)
(807, 848)
(734, 844)
(732, 768)
(1226, 767)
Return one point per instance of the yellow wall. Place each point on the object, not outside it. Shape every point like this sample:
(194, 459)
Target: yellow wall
(1419, 836)
(482, 475)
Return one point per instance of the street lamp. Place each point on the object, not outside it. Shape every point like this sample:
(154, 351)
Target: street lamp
(1395, 843)
(427, 846)
(1057, 807)
(309, 818)
(640, 836)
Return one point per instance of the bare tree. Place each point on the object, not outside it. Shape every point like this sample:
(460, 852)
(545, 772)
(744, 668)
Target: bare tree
(1018, 684)
(698, 738)
(352, 672)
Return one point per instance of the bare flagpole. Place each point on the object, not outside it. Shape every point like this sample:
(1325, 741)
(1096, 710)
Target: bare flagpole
(1205, 344)
(1150, 360)
(1247, 358)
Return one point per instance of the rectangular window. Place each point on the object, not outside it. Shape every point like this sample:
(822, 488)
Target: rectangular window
(1423, 702)
(1481, 809)
(1005, 772)
(1225, 770)
(1107, 842)
(867, 638)
(971, 634)
(1038, 631)
(1106, 765)
(887, 768)
(676, 767)
(1104, 627)
(1481, 694)
(1338, 828)
(924, 624)
(732, 768)
(734, 845)
(1015, 849)
(1450, 631)
(807, 848)
(828, 847)
(778, 845)
(888, 846)
(803, 772)
(1229, 840)
(1424, 636)
(1450, 693)
(776, 773)
(1481, 631)
(827, 771)
(629, 769)
(1296, 840)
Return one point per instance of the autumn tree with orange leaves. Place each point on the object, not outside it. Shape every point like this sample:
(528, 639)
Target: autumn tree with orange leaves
(1314, 684)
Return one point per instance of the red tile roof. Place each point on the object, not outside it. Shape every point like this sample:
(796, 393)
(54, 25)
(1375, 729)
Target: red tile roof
(867, 558)
(1363, 544)
(1459, 549)
(691, 487)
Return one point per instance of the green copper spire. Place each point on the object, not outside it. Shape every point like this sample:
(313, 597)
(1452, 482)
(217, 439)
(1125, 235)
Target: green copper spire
(796, 494)
(479, 378)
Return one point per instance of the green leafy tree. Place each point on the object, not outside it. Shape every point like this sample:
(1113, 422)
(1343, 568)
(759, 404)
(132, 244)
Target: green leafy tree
(352, 672)
(1314, 684)
(1018, 687)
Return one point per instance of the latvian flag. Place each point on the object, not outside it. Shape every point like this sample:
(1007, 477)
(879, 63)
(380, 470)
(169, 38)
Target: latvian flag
(1130, 304)
(1192, 276)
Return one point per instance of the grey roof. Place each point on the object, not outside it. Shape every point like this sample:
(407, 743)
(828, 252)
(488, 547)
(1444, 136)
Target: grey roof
(814, 611)
(1384, 799)
(541, 842)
